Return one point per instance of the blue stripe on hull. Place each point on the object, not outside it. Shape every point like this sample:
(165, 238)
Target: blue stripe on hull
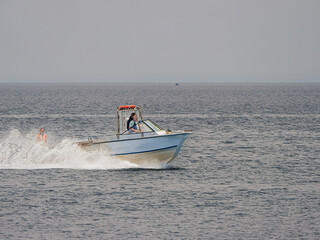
(144, 151)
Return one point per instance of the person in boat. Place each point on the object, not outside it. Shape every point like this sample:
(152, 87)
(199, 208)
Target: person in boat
(41, 136)
(132, 123)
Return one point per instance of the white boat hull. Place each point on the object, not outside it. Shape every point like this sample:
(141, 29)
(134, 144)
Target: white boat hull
(158, 157)
(150, 149)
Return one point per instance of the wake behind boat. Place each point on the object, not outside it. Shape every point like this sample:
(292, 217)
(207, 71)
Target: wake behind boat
(140, 141)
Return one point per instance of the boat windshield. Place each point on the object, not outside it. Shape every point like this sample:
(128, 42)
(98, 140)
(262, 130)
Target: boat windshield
(146, 126)
(152, 125)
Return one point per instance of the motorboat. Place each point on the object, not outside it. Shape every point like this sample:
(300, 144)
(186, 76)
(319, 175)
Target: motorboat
(149, 145)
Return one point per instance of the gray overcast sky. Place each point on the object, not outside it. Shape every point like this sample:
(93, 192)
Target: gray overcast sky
(160, 41)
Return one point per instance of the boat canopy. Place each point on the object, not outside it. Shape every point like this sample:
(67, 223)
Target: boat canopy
(127, 107)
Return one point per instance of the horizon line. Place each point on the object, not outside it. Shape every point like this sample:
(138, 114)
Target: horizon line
(154, 83)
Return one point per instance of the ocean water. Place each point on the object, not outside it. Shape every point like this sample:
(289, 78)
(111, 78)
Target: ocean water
(250, 170)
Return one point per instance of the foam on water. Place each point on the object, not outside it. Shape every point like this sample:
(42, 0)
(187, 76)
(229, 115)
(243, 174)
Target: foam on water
(19, 151)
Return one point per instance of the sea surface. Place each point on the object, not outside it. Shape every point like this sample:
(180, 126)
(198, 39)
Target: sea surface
(250, 170)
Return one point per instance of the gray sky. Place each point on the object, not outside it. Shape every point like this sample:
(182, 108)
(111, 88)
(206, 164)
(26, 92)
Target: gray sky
(160, 41)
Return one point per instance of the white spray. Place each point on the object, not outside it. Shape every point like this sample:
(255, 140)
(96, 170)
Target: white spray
(18, 151)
